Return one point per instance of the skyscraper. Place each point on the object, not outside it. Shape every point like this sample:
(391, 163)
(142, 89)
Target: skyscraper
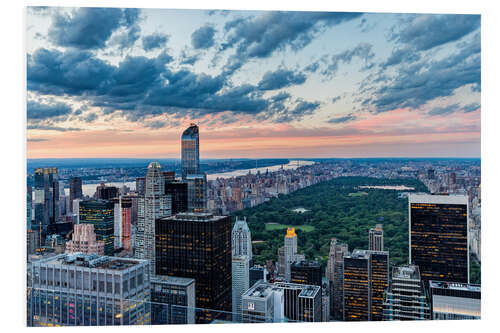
(172, 300)
(153, 205)
(335, 275)
(241, 239)
(240, 281)
(100, 213)
(439, 242)
(117, 227)
(105, 192)
(126, 203)
(291, 254)
(301, 302)
(263, 302)
(29, 207)
(75, 190)
(178, 190)
(366, 276)
(46, 198)
(197, 192)
(190, 151)
(406, 298)
(198, 246)
(306, 272)
(376, 239)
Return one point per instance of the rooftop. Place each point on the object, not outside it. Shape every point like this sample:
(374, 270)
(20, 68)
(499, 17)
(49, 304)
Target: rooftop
(92, 261)
(455, 286)
(172, 280)
(456, 199)
(203, 217)
(406, 272)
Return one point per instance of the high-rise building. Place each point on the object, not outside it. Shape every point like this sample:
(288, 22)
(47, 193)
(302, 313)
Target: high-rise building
(291, 254)
(325, 304)
(190, 151)
(46, 198)
(263, 302)
(197, 192)
(366, 276)
(100, 213)
(178, 190)
(88, 290)
(29, 207)
(140, 185)
(32, 241)
(301, 302)
(439, 242)
(126, 204)
(117, 223)
(75, 190)
(172, 300)
(76, 210)
(257, 273)
(104, 192)
(198, 246)
(240, 281)
(306, 272)
(241, 239)
(406, 298)
(84, 240)
(376, 239)
(153, 205)
(454, 300)
(335, 275)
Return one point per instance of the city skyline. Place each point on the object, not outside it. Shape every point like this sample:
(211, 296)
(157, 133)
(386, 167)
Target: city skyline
(259, 84)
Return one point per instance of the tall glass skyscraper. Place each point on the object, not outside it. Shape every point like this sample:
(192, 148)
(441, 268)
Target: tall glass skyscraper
(190, 154)
(100, 213)
(46, 198)
(439, 242)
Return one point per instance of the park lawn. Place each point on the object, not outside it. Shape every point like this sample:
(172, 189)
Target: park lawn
(277, 226)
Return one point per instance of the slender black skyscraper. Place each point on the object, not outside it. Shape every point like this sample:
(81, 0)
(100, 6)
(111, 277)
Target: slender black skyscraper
(190, 151)
(75, 190)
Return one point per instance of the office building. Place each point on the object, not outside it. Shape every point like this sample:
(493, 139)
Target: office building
(140, 185)
(100, 213)
(335, 274)
(240, 281)
(76, 210)
(241, 239)
(301, 302)
(263, 303)
(406, 298)
(291, 254)
(366, 276)
(84, 240)
(439, 242)
(325, 304)
(190, 151)
(32, 241)
(88, 290)
(46, 198)
(197, 192)
(198, 246)
(306, 272)
(454, 300)
(126, 208)
(29, 207)
(376, 238)
(117, 222)
(153, 205)
(178, 190)
(172, 300)
(104, 192)
(75, 191)
(256, 273)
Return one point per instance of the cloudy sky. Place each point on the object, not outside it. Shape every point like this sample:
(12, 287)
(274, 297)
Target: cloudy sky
(110, 82)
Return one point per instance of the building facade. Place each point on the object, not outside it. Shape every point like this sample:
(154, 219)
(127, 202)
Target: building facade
(75, 191)
(376, 238)
(84, 240)
(241, 239)
(306, 272)
(301, 302)
(335, 275)
(454, 300)
(190, 151)
(439, 242)
(406, 298)
(172, 300)
(263, 303)
(100, 213)
(46, 198)
(88, 290)
(241, 283)
(196, 192)
(198, 246)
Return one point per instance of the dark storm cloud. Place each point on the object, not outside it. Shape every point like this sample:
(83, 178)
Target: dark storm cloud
(154, 41)
(41, 111)
(90, 28)
(203, 38)
(418, 83)
(281, 78)
(424, 32)
(261, 36)
(142, 87)
(444, 110)
(343, 119)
